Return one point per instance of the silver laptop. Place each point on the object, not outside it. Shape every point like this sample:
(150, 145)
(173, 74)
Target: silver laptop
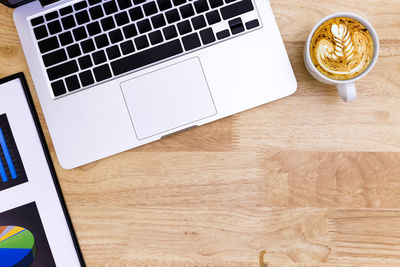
(114, 75)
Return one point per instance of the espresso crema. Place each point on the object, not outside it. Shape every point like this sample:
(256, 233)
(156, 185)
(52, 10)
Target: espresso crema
(341, 48)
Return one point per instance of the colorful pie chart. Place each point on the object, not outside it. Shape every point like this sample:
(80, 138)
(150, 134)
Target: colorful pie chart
(17, 246)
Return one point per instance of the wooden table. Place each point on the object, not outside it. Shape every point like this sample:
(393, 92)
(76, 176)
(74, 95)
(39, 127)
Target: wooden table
(307, 179)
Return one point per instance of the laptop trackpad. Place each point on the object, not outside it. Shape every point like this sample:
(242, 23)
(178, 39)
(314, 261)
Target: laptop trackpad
(168, 98)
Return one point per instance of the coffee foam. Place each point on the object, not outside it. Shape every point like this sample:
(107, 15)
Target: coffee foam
(341, 48)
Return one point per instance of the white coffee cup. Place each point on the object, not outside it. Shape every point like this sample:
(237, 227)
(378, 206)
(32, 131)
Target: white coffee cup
(346, 88)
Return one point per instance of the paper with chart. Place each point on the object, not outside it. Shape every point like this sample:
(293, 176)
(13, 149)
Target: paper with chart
(33, 227)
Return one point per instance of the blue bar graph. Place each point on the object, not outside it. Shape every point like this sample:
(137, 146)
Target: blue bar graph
(12, 171)
(3, 172)
(8, 159)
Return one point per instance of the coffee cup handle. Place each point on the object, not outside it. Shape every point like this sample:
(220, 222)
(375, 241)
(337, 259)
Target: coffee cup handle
(347, 91)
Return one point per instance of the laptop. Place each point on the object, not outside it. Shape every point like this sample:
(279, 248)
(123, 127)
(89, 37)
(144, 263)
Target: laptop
(117, 74)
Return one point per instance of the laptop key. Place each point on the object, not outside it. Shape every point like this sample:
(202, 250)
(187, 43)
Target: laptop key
(86, 78)
(66, 10)
(184, 27)
(236, 9)
(65, 38)
(93, 2)
(207, 36)
(213, 17)
(252, 24)
(102, 72)
(144, 26)
(80, 5)
(87, 46)
(40, 32)
(48, 44)
(199, 22)
(74, 51)
(158, 21)
(62, 70)
(127, 47)
(107, 23)
(236, 25)
(178, 2)
(54, 27)
(93, 28)
(136, 13)
(130, 31)
(124, 4)
(79, 33)
(170, 32)
(155, 37)
(201, 6)
(191, 41)
(110, 7)
(121, 18)
(82, 17)
(37, 21)
(115, 36)
(101, 41)
(96, 12)
(68, 22)
(186, 11)
(85, 62)
(223, 34)
(55, 57)
(146, 57)
(141, 42)
(99, 57)
(51, 15)
(58, 88)
(164, 4)
(216, 3)
(137, 2)
(113, 52)
(72, 83)
(172, 16)
(150, 8)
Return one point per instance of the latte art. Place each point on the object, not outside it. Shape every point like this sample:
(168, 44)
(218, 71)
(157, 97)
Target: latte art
(341, 48)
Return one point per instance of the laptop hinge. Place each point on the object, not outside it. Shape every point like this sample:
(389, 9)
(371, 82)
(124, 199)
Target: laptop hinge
(47, 2)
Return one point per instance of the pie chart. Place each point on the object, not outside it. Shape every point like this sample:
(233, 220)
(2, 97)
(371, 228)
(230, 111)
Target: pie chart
(17, 246)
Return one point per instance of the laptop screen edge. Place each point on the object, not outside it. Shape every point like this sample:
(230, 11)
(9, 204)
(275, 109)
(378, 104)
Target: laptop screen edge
(14, 3)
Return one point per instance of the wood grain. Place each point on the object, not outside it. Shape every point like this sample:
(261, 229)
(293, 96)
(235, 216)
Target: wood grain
(309, 180)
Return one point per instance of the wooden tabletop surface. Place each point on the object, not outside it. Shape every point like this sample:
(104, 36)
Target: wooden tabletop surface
(306, 180)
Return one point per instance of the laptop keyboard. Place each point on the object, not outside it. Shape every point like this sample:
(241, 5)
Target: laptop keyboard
(93, 41)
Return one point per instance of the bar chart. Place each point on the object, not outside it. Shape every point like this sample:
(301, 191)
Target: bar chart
(12, 171)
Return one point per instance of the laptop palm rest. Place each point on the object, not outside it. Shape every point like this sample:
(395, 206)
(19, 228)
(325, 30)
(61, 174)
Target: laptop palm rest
(164, 100)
